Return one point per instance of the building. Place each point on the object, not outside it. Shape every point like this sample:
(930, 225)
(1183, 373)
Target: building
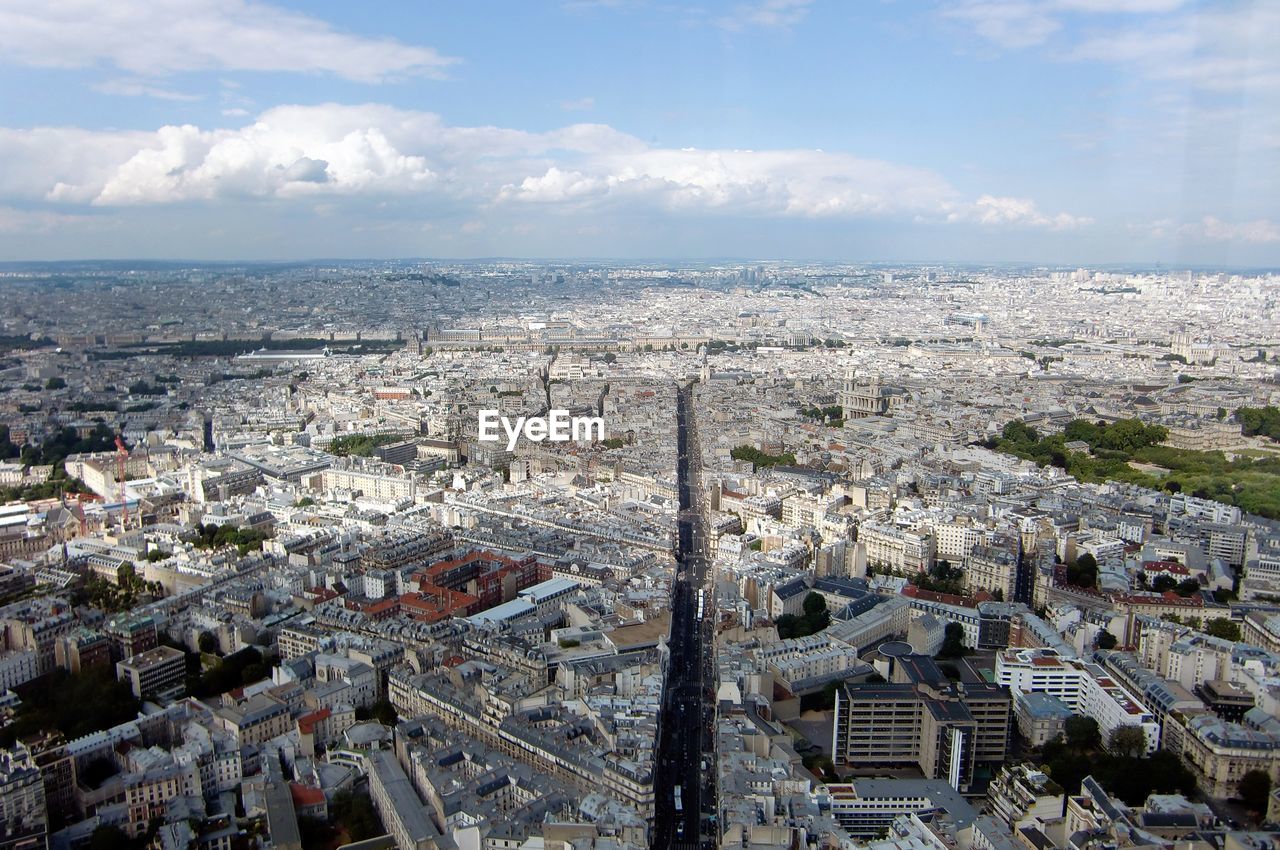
(860, 399)
(1084, 688)
(865, 808)
(993, 569)
(258, 719)
(373, 479)
(23, 820)
(131, 635)
(952, 730)
(1228, 701)
(82, 650)
(1041, 716)
(788, 598)
(1019, 791)
(402, 812)
(1220, 753)
(893, 548)
(17, 666)
(158, 672)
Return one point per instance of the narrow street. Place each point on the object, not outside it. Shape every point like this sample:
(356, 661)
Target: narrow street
(684, 777)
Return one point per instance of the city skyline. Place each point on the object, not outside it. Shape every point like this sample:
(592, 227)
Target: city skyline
(1068, 132)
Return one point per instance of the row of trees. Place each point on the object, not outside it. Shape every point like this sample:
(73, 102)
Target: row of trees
(233, 671)
(1083, 571)
(361, 445)
(1125, 769)
(832, 412)
(1122, 766)
(124, 594)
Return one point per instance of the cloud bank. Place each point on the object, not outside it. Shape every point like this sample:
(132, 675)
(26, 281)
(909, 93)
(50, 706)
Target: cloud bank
(335, 150)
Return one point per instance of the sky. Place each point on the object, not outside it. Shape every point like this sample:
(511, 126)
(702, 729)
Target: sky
(1079, 132)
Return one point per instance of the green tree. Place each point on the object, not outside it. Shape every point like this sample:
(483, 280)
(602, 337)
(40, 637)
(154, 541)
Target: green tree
(1020, 432)
(1127, 740)
(208, 643)
(1082, 732)
(354, 812)
(254, 673)
(814, 602)
(55, 384)
(1083, 572)
(126, 575)
(1106, 640)
(1254, 789)
(953, 642)
(385, 713)
(1221, 627)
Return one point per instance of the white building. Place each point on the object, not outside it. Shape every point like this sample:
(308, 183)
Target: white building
(1085, 688)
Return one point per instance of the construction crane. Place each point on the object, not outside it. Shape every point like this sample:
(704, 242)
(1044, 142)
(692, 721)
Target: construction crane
(122, 455)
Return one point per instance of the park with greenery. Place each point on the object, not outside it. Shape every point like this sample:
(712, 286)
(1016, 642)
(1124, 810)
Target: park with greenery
(361, 445)
(1131, 451)
(57, 701)
(832, 414)
(218, 536)
(762, 460)
(1260, 421)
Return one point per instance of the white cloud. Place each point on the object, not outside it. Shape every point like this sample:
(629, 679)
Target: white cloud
(784, 182)
(1226, 49)
(128, 87)
(155, 37)
(582, 104)
(1018, 212)
(767, 13)
(1010, 24)
(1218, 48)
(1128, 7)
(1212, 229)
(332, 151)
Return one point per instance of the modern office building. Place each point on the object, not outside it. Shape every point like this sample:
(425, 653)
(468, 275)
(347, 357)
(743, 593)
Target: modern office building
(952, 730)
(157, 672)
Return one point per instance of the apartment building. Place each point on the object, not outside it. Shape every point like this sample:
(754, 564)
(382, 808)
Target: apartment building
(897, 549)
(1220, 753)
(993, 569)
(258, 719)
(23, 819)
(1084, 688)
(402, 812)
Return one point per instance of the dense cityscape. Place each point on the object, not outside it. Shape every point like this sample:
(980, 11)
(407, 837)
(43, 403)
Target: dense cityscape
(640, 425)
(868, 557)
